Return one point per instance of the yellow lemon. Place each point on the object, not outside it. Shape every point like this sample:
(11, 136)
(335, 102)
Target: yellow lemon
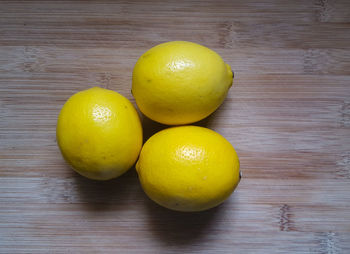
(99, 133)
(188, 168)
(180, 82)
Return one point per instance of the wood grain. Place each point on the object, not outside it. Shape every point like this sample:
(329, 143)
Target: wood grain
(288, 115)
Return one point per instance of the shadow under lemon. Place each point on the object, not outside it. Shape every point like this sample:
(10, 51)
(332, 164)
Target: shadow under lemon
(181, 228)
(151, 127)
(116, 194)
(211, 120)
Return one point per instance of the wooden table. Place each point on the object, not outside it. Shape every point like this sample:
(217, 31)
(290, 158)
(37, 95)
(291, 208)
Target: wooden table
(288, 115)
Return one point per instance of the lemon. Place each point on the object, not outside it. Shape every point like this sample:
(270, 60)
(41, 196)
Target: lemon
(180, 82)
(188, 168)
(99, 133)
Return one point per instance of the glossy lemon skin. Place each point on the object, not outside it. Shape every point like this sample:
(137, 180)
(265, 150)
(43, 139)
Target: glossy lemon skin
(188, 168)
(180, 82)
(99, 133)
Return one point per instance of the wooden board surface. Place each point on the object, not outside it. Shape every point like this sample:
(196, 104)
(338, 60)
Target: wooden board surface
(288, 115)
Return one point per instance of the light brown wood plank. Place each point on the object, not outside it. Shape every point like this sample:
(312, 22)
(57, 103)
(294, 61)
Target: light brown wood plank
(61, 223)
(118, 62)
(220, 24)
